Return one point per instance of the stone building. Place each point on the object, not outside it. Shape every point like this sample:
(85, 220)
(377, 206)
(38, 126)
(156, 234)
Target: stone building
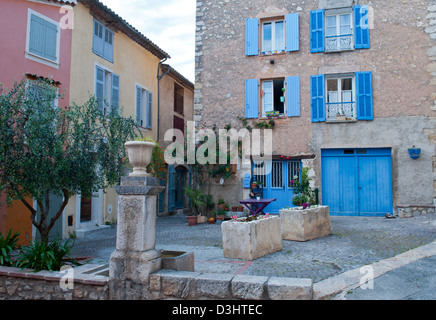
(353, 83)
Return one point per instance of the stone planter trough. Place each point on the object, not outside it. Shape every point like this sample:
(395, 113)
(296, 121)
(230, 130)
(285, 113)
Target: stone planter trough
(177, 260)
(303, 225)
(251, 240)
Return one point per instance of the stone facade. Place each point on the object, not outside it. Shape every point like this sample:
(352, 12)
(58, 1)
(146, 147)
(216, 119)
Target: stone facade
(404, 79)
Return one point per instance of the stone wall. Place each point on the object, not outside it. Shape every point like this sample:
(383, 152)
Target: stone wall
(414, 210)
(17, 284)
(167, 284)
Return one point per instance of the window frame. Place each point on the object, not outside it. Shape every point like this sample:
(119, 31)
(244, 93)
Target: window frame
(273, 22)
(262, 104)
(108, 86)
(34, 56)
(105, 31)
(145, 96)
(340, 77)
(337, 13)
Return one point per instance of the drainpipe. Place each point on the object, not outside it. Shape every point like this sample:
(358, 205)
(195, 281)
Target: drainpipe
(159, 77)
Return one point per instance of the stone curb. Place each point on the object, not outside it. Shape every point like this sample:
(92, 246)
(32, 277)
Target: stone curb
(168, 284)
(334, 288)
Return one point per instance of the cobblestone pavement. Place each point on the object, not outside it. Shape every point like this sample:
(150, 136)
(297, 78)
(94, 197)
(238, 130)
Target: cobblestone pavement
(355, 241)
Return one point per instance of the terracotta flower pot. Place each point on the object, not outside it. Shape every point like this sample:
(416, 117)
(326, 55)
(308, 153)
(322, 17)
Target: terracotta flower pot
(139, 156)
(192, 220)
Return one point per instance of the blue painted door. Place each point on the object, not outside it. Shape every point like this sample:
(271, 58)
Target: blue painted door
(357, 182)
(276, 178)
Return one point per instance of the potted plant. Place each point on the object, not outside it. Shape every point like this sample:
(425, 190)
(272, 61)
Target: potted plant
(220, 216)
(221, 204)
(307, 221)
(259, 184)
(414, 153)
(197, 200)
(253, 185)
(240, 208)
(234, 208)
(212, 217)
(226, 207)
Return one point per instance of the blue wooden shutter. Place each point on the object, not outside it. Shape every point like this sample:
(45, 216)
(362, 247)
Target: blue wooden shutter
(317, 31)
(108, 47)
(139, 107)
(51, 37)
(251, 98)
(99, 87)
(361, 27)
(43, 38)
(251, 37)
(293, 96)
(115, 98)
(149, 110)
(98, 42)
(292, 32)
(317, 98)
(364, 100)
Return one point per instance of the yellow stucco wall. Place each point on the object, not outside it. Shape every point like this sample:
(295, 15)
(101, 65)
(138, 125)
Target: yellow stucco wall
(135, 66)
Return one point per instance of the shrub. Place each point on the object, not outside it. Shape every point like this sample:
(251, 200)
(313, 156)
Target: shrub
(7, 245)
(41, 256)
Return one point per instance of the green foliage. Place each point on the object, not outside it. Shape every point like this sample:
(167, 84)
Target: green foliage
(197, 197)
(47, 150)
(7, 245)
(304, 194)
(42, 256)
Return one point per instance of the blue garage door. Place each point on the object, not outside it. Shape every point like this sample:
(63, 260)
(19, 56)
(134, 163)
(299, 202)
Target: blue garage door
(357, 182)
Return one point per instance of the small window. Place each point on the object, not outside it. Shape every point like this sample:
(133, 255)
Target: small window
(273, 93)
(144, 106)
(43, 38)
(102, 44)
(338, 32)
(273, 37)
(349, 151)
(178, 98)
(107, 90)
(340, 98)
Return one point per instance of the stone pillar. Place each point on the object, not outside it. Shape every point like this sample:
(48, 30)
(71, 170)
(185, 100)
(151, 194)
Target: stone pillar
(135, 257)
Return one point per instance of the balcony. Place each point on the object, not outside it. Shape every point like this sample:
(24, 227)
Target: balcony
(341, 111)
(339, 43)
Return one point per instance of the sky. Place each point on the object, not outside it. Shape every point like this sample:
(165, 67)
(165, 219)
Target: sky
(169, 24)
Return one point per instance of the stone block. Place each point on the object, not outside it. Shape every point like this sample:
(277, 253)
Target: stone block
(251, 240)
(213, 285)
(290, 288)
(178, 284)
(247, 287)
(304, 225)
(177, 260)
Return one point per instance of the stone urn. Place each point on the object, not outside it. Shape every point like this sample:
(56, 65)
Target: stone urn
(139, 156)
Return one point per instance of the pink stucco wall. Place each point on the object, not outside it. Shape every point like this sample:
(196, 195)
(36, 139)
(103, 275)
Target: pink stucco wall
(13, 29)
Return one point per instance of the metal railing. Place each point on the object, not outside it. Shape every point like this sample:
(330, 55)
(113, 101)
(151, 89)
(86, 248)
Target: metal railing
(337, 111)
(339, 43)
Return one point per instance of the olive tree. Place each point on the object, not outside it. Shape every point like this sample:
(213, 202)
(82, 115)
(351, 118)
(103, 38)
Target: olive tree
(47, 150)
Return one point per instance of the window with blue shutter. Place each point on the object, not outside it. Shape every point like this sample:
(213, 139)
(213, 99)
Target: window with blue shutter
(149, 110)
(251, 37)
(364, 98)
(43, 38)
(317, 31)
(292, 32)
(361, 27)
(115, 98)
(140, 121)
(251, 98)
(317, 98)
(99, 88)
(293, 96)
(103, 41)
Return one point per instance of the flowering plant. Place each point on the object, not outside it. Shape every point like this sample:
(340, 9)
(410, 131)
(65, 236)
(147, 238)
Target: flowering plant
(250, 218)
(304, 195)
